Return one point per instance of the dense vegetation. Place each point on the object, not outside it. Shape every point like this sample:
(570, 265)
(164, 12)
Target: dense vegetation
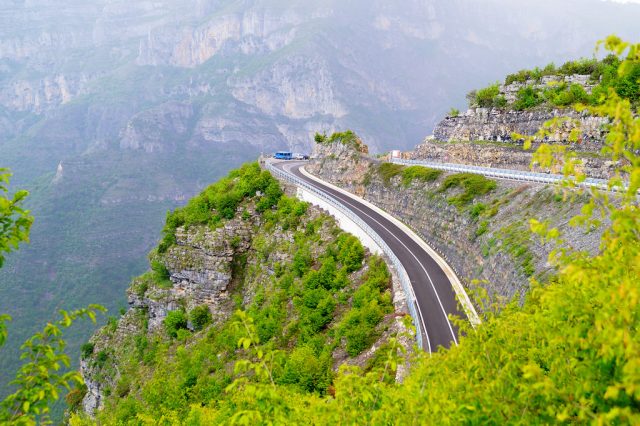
(388, 171)
(602, 73)
(223, 199)
(327, 300)
(15, 221)
(348, 138)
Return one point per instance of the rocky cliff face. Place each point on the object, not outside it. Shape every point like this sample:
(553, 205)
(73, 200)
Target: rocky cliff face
(504, 156)
(158, 129)
(298, 87)
(251, 31)
(481, 124)
(200, 272)
(41, 94)
(344, 165)
(492, 245)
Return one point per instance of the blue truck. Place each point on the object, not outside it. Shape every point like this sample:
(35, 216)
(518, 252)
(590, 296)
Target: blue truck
(283, 155)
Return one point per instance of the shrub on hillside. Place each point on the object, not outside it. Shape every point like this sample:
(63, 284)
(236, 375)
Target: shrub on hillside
(320, 137)
(350, 252)
(420, 173)
(472, 185)
(175, 320)
(486, 98)
(304, 369)
(528, 97)
(87, 350)
(388, 171)
(200, 317)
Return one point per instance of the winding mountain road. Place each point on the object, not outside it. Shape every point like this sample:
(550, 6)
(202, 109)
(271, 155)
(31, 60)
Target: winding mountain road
(435, 296)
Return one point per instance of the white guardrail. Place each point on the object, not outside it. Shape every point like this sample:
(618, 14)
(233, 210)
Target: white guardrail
(501, 173)
(401, 272)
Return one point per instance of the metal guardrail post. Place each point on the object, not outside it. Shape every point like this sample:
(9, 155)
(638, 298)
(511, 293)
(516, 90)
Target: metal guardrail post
(400, 270)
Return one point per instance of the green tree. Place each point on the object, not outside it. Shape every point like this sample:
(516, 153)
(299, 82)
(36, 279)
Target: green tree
(320, 137)
(39, 380)
(200, 317)
(174, 321)
(486, 98)
(15, 221)
(528, 97)
(349, 252)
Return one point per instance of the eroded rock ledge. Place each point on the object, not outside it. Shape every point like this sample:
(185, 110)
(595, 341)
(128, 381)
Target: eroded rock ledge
(482, 124)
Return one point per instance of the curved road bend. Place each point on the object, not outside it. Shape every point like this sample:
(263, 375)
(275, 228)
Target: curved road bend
(434, 293)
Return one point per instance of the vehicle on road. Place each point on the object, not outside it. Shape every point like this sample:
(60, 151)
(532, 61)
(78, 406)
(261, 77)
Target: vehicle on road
(298, 156)
(283, 155)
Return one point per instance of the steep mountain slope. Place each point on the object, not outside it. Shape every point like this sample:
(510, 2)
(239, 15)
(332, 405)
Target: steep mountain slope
(142, 103)
(311, 298)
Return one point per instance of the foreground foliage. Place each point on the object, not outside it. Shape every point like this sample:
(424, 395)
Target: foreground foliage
(43, 376)
(40, 379)
(15, 221)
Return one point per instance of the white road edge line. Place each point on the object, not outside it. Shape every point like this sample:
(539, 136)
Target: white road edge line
(435, 291)
(458, 288)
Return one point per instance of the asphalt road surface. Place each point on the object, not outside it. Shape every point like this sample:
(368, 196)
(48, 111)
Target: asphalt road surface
(435, 296)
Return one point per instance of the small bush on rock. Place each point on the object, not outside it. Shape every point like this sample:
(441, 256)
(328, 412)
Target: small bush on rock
(200, 317)
(175, 320)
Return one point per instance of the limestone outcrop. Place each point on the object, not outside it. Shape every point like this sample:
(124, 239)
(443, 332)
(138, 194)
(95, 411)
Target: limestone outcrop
(199, 271)
(504, 156)
(482, 124)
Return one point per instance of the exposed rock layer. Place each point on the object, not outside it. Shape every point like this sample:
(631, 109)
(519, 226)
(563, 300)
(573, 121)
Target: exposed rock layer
(481, 124)
(503, 156)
